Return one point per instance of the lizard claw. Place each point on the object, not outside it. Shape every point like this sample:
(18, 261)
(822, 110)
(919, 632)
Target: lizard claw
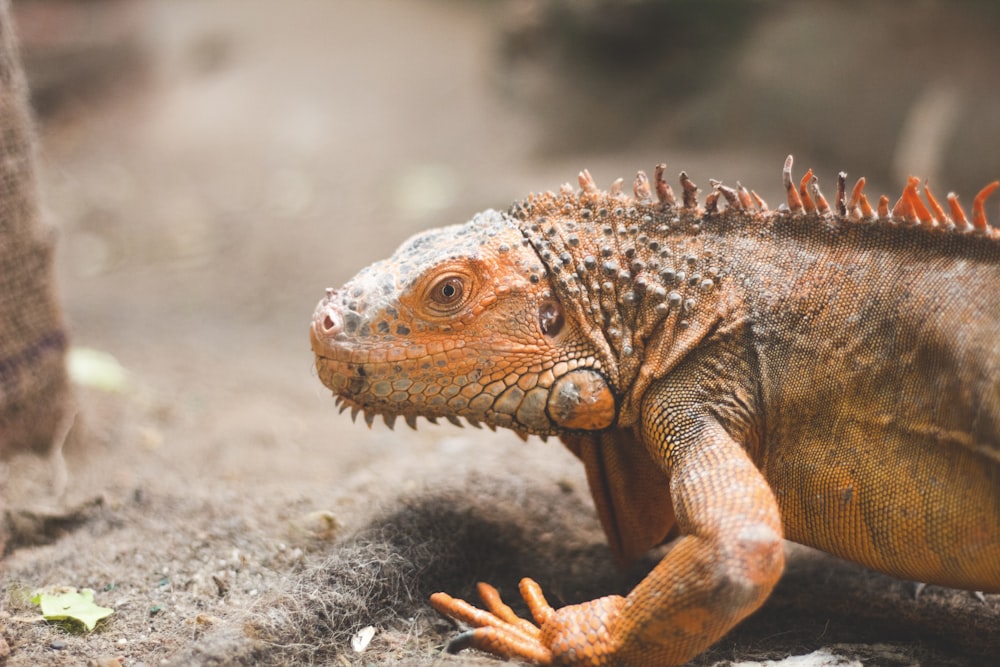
(497, 630)
(578, 633)
(461, 642)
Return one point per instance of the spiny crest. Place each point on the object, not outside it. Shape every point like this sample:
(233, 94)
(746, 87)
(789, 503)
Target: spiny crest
(636, 272)
(609, 261)
(909, 209)
(801, 198)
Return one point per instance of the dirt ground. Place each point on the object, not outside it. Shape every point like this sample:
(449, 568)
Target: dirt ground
(217, 501)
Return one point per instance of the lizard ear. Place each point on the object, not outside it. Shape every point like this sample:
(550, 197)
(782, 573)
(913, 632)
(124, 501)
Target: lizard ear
(550, 318)
(631, 493)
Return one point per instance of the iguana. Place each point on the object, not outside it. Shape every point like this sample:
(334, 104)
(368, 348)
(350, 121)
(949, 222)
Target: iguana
(729, 375)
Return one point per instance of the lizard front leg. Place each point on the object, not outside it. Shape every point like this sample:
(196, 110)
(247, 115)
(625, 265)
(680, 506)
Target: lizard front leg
(723, 566)
(729, 555)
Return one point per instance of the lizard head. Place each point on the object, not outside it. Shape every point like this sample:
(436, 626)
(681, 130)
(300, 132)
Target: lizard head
(461, 321)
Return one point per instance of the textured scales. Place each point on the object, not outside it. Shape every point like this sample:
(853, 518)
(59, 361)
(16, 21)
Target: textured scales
(729, 375)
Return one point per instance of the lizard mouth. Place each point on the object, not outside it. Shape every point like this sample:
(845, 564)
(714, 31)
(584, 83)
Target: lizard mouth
(376, 379)
(349, 390)
(378, 374)
(352, 392)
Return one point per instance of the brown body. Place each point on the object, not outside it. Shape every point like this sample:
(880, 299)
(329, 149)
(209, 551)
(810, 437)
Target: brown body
(727, 377)
(879, 381)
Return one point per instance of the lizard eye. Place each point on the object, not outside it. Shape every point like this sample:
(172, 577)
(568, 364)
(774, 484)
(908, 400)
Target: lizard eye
(448, 294)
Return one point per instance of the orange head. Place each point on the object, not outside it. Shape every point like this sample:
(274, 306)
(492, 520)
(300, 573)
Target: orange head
(461, 321)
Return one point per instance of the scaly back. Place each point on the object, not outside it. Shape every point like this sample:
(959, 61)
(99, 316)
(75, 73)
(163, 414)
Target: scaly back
(636, 272)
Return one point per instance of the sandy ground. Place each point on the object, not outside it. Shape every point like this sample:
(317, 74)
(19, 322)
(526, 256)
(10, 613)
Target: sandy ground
(202, 207)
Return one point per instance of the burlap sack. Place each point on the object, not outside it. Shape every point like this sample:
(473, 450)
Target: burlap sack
(33, 384)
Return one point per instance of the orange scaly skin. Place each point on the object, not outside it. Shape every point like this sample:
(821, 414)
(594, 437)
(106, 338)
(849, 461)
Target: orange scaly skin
(728, 375)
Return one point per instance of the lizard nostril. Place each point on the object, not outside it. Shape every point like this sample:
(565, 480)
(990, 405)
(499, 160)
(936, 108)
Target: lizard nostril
(328, 321)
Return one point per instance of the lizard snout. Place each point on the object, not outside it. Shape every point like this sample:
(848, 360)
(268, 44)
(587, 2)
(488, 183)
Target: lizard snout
(328, 320)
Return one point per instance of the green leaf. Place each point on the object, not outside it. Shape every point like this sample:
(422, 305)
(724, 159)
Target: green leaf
(70, 604)
(96, 369)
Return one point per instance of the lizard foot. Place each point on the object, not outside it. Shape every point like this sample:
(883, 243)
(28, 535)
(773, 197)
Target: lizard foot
(575, 635)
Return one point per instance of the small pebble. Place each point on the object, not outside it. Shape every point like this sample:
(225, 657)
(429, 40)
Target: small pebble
(58, 644)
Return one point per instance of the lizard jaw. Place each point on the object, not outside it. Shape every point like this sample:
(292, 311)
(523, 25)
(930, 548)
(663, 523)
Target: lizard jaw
(565, 397)
(389, 418)
(577, 399)
(345, 401)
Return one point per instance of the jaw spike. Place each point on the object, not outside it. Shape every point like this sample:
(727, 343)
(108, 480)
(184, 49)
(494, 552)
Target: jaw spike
(411, 421)
(473, 423)
(978, 211)
(433, 420)
(807, 201)
(664, 193)
(390, 421)
(455, 420)
(640, 187)
(343, 406)
(791, 194)
(522, 435)
(354, 413)
(369, 417)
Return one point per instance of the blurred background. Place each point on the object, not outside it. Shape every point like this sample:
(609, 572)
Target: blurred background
(210, 166)
(225, 161)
